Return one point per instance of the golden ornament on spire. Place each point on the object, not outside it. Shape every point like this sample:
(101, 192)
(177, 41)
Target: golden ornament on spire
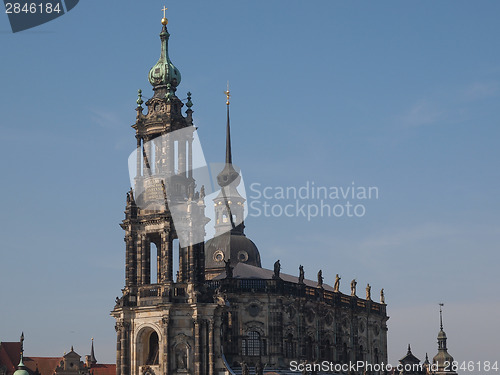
(164, 20)
(227, 93)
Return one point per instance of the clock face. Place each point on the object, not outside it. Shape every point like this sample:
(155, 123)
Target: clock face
(242, 256)
(218, 256)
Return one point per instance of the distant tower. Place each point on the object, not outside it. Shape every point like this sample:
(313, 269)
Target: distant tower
(90, 360)
(230, 241)
(164, 324)
(443, 359)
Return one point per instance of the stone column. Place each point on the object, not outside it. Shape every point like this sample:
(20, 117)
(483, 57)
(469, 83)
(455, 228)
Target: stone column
(146, 154)
(128, 260)
(157, 147)
(182, 157)
(138, 163)
(118, 348)
(166, 342)
(163, 156)
(124, 366)
(140, 258)
(190, 158)
(170, 156)
(190, 262)
(211, 362)
(170, 265)
(145, 263)
(197, 347)
(217, 336)
(165, 275)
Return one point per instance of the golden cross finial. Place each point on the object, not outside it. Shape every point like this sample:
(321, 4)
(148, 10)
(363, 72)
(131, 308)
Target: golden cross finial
(227, 93)
(164, 20)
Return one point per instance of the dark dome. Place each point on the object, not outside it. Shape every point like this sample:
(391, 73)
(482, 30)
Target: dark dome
(232, 245)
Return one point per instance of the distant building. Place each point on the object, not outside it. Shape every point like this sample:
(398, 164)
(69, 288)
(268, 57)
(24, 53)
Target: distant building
(442, 363)
(12, 358)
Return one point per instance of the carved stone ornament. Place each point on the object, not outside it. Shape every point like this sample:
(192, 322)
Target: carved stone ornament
(253, 310)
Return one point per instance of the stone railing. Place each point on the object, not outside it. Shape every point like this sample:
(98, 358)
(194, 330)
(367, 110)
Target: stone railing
(276, 286)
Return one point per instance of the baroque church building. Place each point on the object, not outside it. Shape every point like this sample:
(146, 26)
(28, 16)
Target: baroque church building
(222, 311)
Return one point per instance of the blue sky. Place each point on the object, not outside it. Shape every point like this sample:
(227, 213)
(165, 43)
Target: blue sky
(398, 95)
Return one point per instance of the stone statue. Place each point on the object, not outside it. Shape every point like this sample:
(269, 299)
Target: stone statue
(368, 292)
(353, 287)
(320, 279)
(181, 359)
(259, 369)
(244, 368)
(382, 297)
(301, 274)
(336, 286)
(229, 269)
(118, 301)
(277, 269)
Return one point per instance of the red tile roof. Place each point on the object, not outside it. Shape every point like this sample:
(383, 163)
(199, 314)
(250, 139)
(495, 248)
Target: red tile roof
(103, 369)
(46, 365)
(10, 353)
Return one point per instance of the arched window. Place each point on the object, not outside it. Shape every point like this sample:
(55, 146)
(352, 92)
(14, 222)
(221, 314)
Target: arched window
(153, 349)
(252, 344)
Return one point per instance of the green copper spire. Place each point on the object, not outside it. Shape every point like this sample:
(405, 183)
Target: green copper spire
(164, 71)
(21, 368)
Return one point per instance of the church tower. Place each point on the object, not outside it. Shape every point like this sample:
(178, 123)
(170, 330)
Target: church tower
(230, 243)
(165, 323)
(443, 359)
